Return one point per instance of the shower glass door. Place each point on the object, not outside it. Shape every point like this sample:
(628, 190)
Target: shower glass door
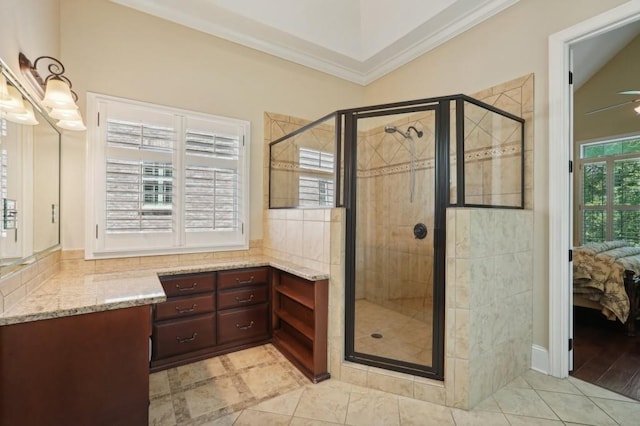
(395, 250)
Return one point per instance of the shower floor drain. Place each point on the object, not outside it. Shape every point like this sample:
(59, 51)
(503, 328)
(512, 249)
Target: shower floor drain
(376, 336)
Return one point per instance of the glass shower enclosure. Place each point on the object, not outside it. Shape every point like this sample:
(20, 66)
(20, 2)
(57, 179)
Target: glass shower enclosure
(396, 168)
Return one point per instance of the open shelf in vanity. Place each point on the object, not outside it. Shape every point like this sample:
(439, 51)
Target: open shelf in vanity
(300, 309)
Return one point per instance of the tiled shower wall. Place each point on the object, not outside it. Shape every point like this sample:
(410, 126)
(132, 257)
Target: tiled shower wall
(391, 265)
(489, 318)
(309, 237)
(490, 145)
(285, 162)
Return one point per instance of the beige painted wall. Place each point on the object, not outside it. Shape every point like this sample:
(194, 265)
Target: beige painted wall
(620, 73)
(114, 50)
(509, 45)
(117, 51)
(31, 27)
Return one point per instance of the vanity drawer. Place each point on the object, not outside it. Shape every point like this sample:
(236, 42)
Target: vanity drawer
(184, 285)
(242, 324)
(182, 336)
(242, 277)
(242, 297)
(185, 306)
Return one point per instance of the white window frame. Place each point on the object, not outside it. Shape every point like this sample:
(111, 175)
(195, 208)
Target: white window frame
(609, 207)
(99, 244)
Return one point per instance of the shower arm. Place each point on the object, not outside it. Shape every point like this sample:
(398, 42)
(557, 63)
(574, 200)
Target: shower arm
(407, 134)
(418, 132)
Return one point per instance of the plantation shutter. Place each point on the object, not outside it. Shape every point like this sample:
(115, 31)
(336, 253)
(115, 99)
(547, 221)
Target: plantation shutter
(213, 193)
(313, 159)
(164, 180)
(139, 191)
(315, 187)
(136, 178)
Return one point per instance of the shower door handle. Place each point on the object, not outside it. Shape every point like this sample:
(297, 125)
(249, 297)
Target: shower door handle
(420, 231)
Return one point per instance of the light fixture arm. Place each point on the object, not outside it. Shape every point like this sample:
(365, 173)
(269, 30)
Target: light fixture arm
(54, 91)
(56, 71)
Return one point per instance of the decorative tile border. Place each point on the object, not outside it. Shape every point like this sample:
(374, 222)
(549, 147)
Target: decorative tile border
(505, 150)
(478, 155)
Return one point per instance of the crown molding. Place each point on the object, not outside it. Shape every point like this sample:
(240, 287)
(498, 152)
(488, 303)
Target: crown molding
(454, 20)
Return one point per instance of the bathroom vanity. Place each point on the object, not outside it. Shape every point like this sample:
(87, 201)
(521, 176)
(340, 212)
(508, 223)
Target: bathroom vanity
(213, 312)
(76, 349)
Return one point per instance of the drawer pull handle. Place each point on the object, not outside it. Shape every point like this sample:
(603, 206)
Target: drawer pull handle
(244, 300)
(193, 287)
(187, 339)
(244, 327)
(249, 281)
(184, 311)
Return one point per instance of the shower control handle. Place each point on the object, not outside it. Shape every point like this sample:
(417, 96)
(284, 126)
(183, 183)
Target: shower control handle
(420, 231)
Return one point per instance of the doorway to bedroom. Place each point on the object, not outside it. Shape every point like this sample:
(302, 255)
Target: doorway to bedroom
(606, 210)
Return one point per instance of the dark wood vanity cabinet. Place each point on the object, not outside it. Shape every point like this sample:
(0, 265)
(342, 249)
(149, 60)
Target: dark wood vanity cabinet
(208, 314)
(186, 322)
(243, 305)
(300, 310)
(213, 313)
(88, 369)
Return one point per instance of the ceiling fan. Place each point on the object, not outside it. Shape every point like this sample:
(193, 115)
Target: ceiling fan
(624, 92)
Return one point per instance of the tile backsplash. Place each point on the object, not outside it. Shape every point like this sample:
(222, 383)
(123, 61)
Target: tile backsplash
(16, 285)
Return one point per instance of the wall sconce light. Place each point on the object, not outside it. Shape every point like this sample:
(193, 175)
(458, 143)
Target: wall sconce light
(12, 105)
(637, 110)
(55, 91)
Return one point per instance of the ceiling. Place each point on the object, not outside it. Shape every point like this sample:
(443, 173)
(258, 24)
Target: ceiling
(590, 55)
(603, 66)
(357, 40)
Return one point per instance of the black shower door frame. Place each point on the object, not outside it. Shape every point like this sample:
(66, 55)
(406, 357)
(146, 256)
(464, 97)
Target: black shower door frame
(441, 108)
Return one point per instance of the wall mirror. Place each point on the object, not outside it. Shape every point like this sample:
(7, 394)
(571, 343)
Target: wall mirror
(29, 184)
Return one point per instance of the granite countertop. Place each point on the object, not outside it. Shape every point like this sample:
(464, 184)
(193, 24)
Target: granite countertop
(71, 293)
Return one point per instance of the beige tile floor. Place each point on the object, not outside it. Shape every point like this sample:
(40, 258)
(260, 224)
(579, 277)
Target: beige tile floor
(259, 387)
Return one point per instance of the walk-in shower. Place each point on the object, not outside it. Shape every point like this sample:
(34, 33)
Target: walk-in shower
(396, 168)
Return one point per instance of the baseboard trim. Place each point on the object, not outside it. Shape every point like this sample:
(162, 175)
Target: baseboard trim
(540, 359)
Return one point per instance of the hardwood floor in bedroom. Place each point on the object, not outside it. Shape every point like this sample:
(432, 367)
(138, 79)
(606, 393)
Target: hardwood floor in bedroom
(604, 355)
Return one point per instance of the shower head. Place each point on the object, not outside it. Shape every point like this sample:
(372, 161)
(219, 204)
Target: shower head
(407, 134)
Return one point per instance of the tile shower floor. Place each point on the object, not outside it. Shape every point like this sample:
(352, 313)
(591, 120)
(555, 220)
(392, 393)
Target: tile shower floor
(404, 336)
(259, 386)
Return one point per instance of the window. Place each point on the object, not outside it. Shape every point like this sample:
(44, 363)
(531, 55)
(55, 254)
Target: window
(164, 180)
(609, 204)
(315, 184)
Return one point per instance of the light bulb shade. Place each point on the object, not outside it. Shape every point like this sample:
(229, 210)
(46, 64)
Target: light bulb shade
(14, 103)
(23, 117)
(637, 109)
(71, 125)
(65, 114)
(58, 95)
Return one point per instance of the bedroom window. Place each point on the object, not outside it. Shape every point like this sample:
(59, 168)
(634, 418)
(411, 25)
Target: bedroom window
(609, 203)
(164, 180)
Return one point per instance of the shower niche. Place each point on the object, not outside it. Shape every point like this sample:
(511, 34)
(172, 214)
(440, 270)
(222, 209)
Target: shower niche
(395, 169)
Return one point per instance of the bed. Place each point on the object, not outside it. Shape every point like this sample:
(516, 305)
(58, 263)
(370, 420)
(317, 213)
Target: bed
(605, 277)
